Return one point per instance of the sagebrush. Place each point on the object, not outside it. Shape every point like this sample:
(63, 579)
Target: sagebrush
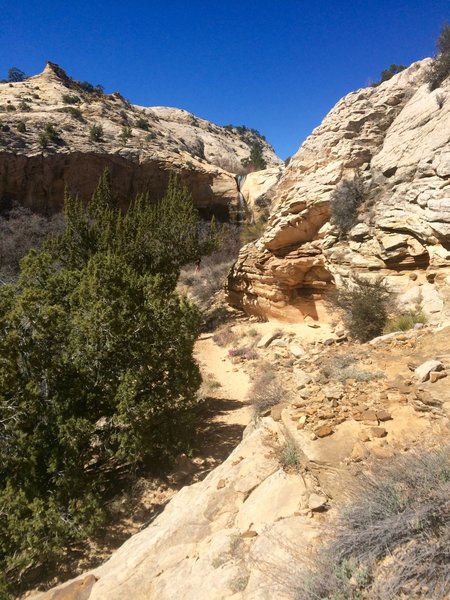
(392, 538)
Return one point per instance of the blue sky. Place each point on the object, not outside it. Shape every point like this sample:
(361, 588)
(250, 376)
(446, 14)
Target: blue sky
(277, 67)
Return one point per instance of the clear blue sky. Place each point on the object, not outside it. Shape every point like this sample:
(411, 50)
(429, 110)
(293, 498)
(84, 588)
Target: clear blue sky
(277, 67)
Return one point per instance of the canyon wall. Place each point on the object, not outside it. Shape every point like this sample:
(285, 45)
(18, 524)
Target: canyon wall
(140, 146)
(395, 139)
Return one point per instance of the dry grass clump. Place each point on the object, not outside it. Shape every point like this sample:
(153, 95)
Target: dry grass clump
(244, 352)
(289, 455)
(209, 386)
(239, 583)
(342, 367)
(392, 538)
(20, 231)
(266, 390)
(405, 322)
(224, 337)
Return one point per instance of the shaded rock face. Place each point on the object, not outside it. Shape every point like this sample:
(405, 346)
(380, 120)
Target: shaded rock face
(159, 140)
(396, 136)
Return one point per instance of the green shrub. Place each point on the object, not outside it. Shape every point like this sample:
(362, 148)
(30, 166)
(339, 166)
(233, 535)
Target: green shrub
(126, 134)
(24, 106)
(389, 73)
(97, 373)
(345, 201)
(142, 123)
(48, 135)
(256, 160)
(364, 303)
(10, 108)
(74, 112)
(21, 127)
(440, 67)
(71, 99)
(405, 321)
(96, 133)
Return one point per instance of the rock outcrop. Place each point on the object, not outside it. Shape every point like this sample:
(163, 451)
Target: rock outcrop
(140, 145)
(396, 138)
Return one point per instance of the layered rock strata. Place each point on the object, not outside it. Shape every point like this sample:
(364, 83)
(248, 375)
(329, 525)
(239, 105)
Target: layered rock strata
(396, 138)
(140, 145)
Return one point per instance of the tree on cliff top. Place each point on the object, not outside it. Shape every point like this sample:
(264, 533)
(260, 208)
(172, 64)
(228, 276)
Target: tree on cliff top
(97, 370)
(440, 68)
(15, 75)
(256, 160)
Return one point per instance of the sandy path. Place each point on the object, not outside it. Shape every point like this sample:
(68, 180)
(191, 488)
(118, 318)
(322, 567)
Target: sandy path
(214, 360)
(226, 414)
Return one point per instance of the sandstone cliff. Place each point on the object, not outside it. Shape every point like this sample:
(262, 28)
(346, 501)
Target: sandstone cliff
(397, 137)
(159, 139)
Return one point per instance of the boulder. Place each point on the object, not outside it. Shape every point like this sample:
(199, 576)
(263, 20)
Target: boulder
(302, 378)
(317, 501)
(267, 339)
(423, 371)
(297, 350)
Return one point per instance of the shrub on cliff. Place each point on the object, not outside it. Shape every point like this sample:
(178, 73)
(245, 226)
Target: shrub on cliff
(97, 371)
(15, 75)
(256, 160)
(345, 201)
(387, 74)
(96, 133)
(440, 68)
(71, 99)
(126, 134)
(48, 135)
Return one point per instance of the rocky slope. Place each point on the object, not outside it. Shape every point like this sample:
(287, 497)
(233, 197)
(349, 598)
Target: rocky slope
(245, 530)
(162, 139)
(397, 137)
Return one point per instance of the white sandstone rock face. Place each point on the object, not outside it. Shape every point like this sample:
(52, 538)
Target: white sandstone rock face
(210, 534)
(397, 136)
(278, 497)
(204, 155)
(258, 190)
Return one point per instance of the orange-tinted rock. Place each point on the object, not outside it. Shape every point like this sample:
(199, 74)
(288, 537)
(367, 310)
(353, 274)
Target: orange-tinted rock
(324, 431)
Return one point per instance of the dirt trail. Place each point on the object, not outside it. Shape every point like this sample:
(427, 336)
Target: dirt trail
(226, 413)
